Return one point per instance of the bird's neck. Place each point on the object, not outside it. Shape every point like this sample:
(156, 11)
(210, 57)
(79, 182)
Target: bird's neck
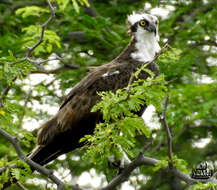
(141, 49)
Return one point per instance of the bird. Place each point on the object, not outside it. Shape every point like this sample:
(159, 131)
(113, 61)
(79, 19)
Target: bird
(62, 133)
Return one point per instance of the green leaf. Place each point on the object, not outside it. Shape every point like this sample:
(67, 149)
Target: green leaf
(160, 165)
(206, 186)
(31, 11)
(16, 173)
(75, 5)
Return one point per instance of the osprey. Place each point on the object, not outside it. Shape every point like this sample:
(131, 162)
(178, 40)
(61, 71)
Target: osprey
(74, 119)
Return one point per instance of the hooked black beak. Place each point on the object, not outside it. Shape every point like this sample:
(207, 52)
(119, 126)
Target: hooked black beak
(151, 28)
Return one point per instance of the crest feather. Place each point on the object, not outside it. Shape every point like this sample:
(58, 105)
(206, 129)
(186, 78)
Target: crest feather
(140, 15)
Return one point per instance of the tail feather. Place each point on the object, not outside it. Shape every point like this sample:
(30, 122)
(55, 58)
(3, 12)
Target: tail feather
(61, 143)
(45, 148)
(44, 154)
(56, 143)
(37, 154)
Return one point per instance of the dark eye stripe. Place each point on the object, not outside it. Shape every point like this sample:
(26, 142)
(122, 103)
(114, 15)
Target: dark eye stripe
(134, 28)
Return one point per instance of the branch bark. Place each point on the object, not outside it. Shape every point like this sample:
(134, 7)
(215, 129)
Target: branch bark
(48, 173)
(142, 160)
(20, 185)
(165, 124)
(6, 2)
(54, 71)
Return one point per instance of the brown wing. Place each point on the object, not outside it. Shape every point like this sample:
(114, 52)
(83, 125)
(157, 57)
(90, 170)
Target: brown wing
(84, 95)
(81, 99)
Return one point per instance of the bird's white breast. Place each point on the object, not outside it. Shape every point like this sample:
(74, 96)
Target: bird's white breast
(146, 46)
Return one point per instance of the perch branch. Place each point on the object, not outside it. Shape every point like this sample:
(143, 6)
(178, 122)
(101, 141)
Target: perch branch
(140, 160)
(48, 173)
(128, 169)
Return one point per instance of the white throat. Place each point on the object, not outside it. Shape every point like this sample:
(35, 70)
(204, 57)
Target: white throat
(146, 46)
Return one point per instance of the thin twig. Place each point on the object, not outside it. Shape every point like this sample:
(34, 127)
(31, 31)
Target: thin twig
(53, 71)
(39, 62)
(20, 185)
(14, 140)
(3, 169)
(140, 160)
(146, 147)
(5, 92)
(43, 27)
(168, 133)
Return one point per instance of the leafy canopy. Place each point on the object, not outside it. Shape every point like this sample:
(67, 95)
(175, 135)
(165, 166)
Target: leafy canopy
(90, 36)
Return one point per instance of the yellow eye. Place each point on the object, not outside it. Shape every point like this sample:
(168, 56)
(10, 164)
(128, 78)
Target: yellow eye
(142, 23)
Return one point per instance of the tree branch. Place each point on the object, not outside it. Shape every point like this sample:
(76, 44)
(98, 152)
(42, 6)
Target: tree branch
(128, 169)
(48, 173)
(43, 27)
(91, 11)
(31, 49)
(54, 71)
(78, 36)
(6, 2)
(141, 160)
(20, 185)
(206, 42)
(169, 136)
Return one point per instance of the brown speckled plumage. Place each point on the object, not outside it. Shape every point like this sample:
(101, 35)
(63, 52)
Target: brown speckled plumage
(61, 133)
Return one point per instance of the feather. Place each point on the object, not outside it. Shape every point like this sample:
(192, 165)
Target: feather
(74, 119)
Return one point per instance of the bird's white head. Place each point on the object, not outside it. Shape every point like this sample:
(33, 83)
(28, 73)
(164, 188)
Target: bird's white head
(144, 27)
